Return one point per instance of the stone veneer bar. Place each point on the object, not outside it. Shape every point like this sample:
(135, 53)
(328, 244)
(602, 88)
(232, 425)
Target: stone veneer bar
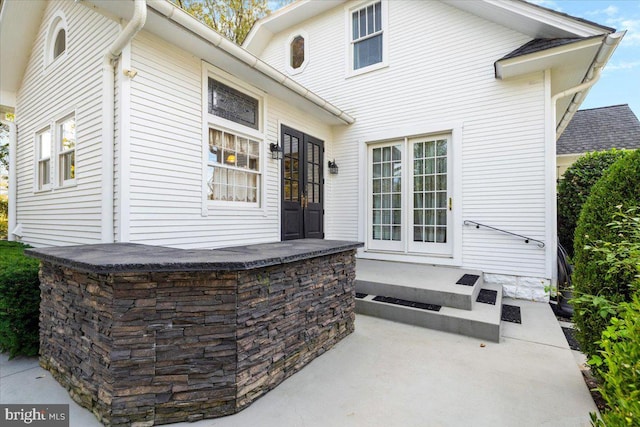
(145, 335)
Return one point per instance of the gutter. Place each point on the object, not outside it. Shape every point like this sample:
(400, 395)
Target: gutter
(13, 230)
(108, 115)
(609, 43)
(185, 20)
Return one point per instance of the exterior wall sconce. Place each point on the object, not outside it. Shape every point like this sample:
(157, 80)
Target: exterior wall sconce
(333, 167)
(276, 151)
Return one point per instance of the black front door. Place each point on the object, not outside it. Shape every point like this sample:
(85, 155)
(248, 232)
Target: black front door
(302, 186)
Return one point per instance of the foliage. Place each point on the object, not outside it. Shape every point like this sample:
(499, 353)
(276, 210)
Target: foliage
(4, 148)
(575, 187)
(4, 216)
(616, 193)
(618, 361)
(231, 18)
(619, 367)
(19, 301)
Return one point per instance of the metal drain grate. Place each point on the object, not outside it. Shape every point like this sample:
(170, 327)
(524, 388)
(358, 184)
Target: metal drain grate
(570, 335)
(487, 296)
(361, 295)
(468, 280)
(511, 313)
(404, 302)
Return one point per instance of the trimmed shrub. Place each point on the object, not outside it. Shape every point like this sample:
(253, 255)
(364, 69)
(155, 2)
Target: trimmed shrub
(19, 301)
(575, 187)
(619, 188)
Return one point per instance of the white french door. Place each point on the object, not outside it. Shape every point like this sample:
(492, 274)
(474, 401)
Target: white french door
(410, 196)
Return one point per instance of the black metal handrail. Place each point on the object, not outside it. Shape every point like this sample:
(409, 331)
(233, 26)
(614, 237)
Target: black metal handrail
(526, 239)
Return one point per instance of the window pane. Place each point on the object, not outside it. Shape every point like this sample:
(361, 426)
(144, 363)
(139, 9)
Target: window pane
(67, 165)
(226, 153)
(378, 17)
(297, 52)
(60, 43)
(45, 145)
(370, 20)
(43, 173)
(68, 134)
(363, 22)
(354, 24)
(231, 104)
(367, 52)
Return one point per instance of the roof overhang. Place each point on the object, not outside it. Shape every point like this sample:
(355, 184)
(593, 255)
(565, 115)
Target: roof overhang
(530, 19)
(288, 16)
(19, 23)
(578, 55)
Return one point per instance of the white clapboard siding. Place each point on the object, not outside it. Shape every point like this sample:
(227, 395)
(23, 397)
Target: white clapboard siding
(440, 70)
(70, 215)
(166, 141)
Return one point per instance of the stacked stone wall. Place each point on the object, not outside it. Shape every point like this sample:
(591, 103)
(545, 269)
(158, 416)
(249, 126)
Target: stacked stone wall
(162, 347)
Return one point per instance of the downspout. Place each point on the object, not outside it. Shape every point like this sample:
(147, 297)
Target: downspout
(12, 229)
(108, 115)
(593, 75)
(603, 55)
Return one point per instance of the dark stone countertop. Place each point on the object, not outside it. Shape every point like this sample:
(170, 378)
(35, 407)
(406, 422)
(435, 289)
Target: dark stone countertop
(130, 257)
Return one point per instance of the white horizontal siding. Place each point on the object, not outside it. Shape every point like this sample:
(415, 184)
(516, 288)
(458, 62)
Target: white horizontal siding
(440, 70)
(165, 190)
(71, 215)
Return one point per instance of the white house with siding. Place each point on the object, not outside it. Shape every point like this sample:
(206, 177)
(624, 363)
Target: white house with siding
(136, 123)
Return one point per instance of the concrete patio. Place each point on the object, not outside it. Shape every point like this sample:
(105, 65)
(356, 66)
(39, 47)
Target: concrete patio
(390, 374)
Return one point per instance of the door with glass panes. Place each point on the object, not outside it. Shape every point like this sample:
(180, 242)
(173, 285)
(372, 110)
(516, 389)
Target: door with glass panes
(302, 185)
(410, 196)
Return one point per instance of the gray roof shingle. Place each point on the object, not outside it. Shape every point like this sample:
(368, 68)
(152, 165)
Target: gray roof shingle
(600, 129)
(537, 45)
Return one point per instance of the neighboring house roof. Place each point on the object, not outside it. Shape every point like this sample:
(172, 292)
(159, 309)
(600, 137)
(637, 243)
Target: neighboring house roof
(19, 25)
(600, 129)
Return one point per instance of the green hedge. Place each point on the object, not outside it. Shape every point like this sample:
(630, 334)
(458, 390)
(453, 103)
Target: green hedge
(574, 188)
(19, 301)
(617, 190)
(618, 360)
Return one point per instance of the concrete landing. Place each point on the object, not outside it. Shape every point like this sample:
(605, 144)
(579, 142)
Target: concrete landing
(459, 313)
(387, 374)
(416, 282)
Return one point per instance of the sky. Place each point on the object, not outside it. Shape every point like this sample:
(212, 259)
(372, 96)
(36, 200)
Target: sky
(620, 80)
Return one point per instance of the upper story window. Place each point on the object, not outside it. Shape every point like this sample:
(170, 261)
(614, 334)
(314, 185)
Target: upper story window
(56, 44)
(231, 104)
(66, 146)
(367, 36)
(43, 159)
(297, 52)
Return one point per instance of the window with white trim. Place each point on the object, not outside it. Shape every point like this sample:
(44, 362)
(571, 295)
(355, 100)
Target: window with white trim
(233, 167)
(234, 144)
(66, 146)
(367, 34)
(43, 159)
(56, 45)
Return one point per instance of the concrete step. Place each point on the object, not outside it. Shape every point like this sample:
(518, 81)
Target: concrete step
(417, 282)
(482, 321)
